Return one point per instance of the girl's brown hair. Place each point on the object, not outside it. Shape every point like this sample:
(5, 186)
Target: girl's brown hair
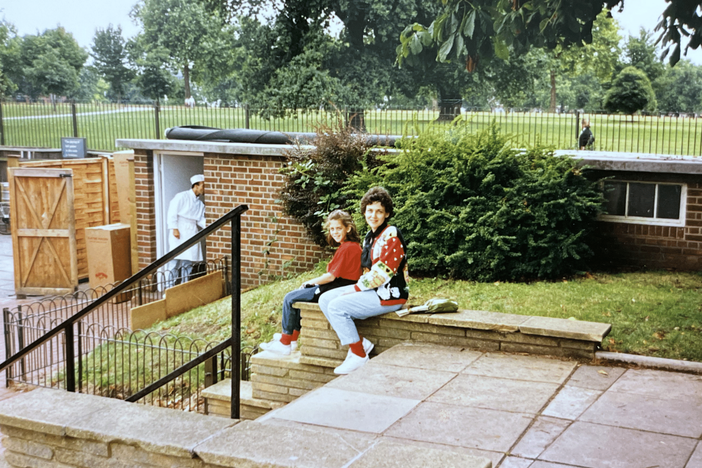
(346, 220)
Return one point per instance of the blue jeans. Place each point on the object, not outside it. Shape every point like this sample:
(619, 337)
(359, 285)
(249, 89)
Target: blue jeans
(342, 310)
(291, 315)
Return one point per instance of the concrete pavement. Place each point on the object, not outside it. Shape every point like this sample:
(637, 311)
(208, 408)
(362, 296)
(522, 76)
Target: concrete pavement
(518, 411)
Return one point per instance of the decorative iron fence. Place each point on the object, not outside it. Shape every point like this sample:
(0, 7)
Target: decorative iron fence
(112, 360)
(42, 124)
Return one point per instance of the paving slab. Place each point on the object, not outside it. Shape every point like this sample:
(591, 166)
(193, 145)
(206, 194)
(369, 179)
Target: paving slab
(571, 402)
(391, 455)
(657, 383)
(441, 358)
(343, 409)
(496, 393)
(461, 426)
(251, 444)
(596, 446)
(539, 436)
(541, 464)
(657, 414)
(494, 457)
(517, 367)
(595, 377)
(696, 459)
(361, 441)
(564, 328)
(514, 462)
(380, 379)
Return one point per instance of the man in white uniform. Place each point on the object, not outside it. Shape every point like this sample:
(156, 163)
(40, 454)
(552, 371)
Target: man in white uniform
(185, 213)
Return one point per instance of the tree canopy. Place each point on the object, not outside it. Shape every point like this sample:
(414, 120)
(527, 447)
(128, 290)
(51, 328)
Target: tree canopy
(110, 56)
(476, 30)
(631, 91)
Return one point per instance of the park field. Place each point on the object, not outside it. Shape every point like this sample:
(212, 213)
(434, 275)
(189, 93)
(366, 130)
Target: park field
(43, 125)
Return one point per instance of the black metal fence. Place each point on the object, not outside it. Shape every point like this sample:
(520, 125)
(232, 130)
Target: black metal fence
(40, 124)
(112, 360)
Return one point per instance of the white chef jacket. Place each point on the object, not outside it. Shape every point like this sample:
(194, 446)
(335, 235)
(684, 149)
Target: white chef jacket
(185, 212)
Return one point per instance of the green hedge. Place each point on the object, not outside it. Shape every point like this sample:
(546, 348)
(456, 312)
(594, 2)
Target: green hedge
(471, 206)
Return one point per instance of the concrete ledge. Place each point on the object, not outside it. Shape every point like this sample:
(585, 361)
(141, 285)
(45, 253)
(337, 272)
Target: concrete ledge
(652, 362)
(91, 431)
(495, 321)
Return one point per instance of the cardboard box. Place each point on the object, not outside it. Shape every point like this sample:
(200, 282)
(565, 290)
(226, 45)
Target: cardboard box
(109, 258)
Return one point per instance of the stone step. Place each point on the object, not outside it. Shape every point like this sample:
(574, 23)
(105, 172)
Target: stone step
(218, 401)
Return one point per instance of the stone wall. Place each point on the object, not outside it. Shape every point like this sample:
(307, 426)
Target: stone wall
(272, 244)
(56, 429)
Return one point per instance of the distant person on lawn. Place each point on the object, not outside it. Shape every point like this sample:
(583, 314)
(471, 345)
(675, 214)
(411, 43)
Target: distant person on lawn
(380, 290)
(344, 269)
(586, 138)
(186, 213)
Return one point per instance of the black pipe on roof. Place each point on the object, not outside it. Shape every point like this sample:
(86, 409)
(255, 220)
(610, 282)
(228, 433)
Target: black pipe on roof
(243, 135)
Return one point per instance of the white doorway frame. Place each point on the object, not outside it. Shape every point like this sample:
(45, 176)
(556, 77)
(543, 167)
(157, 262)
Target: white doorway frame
(160, 202)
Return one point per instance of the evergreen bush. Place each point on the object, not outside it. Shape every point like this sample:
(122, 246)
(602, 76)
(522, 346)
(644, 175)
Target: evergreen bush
(315, 176)
(471, 206)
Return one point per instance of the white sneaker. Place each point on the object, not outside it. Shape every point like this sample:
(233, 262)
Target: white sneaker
(277, 337)
(277, 347)
(350, 364)
(367, 347)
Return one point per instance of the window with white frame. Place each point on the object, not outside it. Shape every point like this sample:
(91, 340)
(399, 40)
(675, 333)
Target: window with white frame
(653, 203)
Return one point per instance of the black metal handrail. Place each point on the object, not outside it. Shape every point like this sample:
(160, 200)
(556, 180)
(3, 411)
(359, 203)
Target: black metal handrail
(235, 340)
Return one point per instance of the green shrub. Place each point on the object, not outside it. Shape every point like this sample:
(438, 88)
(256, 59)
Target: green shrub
(314, 176)
(470, 206)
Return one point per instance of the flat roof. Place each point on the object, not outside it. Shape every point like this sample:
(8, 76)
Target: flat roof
(253, 149)
(604, 160)
(637, 162)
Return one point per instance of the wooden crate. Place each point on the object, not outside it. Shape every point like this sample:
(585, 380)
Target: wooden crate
(93, 197)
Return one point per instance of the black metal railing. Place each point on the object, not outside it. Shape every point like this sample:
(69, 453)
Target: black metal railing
(39, 124)
(25, 323)
(64, 335)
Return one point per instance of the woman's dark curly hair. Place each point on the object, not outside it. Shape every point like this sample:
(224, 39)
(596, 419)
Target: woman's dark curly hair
(377, 194)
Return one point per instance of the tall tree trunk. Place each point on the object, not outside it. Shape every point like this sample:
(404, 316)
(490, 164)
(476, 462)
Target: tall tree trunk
(186, 80)
(552, 105)
(449, 108)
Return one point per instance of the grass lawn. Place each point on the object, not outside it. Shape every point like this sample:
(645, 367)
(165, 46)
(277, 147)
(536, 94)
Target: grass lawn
(654, 313)
(42, 125)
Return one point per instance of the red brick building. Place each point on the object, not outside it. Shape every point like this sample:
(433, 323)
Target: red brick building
(653, 213)
(236, 174)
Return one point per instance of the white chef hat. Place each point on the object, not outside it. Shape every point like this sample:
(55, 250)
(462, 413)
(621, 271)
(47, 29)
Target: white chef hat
(197, 178)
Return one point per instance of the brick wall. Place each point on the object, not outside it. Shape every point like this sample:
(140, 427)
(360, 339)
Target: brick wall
(145, 206)
(646, 246)
(272, 244)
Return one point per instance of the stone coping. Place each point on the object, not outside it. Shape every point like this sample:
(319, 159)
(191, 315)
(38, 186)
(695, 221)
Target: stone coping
(505, 323)
(636, 162)
(198, 440)
(251, 149)
(158, 430)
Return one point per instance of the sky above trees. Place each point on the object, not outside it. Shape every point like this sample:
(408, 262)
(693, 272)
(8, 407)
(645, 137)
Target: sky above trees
(83, 17)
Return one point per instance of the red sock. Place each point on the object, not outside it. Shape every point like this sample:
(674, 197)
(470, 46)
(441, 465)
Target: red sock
(295, 334)
(285, 339)
(357, 348)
